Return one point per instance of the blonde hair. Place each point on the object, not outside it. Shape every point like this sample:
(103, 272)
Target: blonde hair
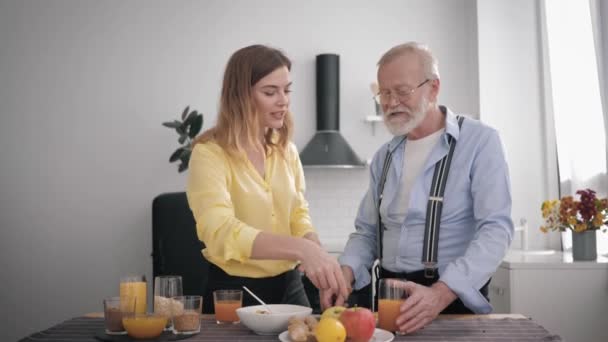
(238, 120)
(430, 66)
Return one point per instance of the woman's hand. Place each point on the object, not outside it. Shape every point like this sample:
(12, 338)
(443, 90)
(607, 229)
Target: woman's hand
(322, 269)
(328, 298)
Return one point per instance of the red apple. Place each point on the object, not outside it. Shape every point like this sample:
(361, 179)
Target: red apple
(360, 324)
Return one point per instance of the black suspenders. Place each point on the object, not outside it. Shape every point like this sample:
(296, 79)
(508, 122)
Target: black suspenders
(433, 209)
(385, 167)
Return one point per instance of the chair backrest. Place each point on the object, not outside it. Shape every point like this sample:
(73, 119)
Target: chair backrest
(176, 249)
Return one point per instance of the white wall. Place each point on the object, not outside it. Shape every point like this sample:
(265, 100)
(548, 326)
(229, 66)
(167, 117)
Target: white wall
(601, 27)
(511, 100)
(85, 85)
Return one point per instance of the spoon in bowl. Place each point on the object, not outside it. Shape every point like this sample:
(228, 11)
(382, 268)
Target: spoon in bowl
(258, 299)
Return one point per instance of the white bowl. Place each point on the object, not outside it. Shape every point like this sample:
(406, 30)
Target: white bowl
(270, 323)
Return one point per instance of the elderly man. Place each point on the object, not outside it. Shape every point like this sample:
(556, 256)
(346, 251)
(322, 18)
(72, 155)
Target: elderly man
(445, 235)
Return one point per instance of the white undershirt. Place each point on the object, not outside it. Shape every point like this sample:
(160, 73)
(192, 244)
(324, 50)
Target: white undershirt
(415, 156)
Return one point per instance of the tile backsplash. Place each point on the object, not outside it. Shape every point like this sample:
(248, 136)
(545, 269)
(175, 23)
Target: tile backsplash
(334, 196)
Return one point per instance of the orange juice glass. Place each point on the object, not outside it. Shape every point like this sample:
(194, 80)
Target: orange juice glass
(135, 286)
(225, 303)
(390, 298)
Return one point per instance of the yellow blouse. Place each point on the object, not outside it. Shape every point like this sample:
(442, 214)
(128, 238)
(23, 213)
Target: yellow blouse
(232, 203)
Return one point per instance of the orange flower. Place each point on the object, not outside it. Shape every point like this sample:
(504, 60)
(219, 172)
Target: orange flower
(590, 213)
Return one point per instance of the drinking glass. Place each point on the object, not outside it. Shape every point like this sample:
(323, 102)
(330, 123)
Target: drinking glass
(186, 315)
(114, 309)
(390, 298)
(226, 302)
(166, 287)
(135, 286)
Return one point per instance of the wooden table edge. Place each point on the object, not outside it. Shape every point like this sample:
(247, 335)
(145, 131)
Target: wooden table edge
(455, 317)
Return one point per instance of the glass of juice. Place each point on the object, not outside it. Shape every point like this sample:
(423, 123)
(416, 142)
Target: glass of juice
(135, 286)
(390, 298)
(225, 303)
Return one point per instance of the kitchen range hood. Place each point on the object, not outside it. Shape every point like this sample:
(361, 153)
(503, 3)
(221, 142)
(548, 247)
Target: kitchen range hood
(328, 148)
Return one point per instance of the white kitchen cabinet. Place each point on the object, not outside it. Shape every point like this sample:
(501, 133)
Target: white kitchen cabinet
(567, 298)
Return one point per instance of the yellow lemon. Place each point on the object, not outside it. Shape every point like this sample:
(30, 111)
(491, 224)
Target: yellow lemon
(334, 312)
(330, 330)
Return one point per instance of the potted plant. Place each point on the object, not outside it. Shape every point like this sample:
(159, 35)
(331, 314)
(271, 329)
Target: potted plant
(176, 249)
(187, 128)
(583, 217)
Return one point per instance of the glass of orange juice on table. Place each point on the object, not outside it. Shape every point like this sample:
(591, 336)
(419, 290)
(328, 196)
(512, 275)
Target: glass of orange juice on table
(135, 286)
(225, 303)
(390, 298)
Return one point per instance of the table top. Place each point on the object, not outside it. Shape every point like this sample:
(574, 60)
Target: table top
(490, 316)
(493, 327)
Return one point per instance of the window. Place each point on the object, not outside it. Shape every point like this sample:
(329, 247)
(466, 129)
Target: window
(576, 102)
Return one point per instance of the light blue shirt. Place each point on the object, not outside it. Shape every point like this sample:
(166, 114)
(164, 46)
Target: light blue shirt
(476, 226)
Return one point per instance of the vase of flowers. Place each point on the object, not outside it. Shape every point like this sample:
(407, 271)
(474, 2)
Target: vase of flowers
(584, 246)
(583, 217)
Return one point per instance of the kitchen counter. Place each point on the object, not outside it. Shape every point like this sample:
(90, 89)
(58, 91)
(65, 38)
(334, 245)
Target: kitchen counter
(567, 297)
(554, 260)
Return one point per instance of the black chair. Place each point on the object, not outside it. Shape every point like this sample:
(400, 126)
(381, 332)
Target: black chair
(176, 249)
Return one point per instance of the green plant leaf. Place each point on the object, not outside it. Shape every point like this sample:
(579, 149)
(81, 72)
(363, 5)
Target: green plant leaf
(187, 128)
(185, 159)
(176, 155)
(197, 123)
(185, 112)
(190, 117)
(183, 128)
(185, 156)
(172, 124)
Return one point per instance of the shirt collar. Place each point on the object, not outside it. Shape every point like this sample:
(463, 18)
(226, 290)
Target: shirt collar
(451, 122)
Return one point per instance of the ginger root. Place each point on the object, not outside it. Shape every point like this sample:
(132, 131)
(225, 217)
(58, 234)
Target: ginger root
(300, 330)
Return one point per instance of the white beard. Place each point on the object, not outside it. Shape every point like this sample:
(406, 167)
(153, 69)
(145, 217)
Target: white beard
(406, 125)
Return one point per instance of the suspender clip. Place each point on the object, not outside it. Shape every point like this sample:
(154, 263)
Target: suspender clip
(435, 198)
(430, 270)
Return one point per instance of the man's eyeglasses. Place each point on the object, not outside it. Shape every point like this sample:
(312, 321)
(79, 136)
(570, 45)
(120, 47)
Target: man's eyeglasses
(400, 94)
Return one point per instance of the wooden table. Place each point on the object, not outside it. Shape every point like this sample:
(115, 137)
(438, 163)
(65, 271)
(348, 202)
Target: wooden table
(493, 327)
(490, 316)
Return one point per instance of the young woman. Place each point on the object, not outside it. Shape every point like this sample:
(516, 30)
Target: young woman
(246, 189)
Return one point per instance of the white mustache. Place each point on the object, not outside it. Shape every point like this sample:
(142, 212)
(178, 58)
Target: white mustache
(399, 110)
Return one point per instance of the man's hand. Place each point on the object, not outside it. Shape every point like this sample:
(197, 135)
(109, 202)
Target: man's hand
(423, 305)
